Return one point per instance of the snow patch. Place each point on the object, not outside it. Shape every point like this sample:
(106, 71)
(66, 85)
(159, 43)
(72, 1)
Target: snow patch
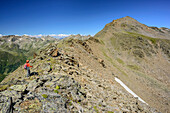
(130, 91)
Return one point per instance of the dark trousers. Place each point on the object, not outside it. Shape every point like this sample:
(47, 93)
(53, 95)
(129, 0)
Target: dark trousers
(28, 73)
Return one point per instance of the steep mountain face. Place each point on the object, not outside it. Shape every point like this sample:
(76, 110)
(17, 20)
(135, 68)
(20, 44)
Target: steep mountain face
(14, 50)
(142, 55)
(77, 74)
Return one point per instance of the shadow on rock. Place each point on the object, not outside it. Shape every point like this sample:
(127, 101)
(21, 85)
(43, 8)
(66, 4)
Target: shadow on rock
(34, 73)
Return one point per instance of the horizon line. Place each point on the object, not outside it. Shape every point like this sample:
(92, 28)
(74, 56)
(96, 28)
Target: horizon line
(52, 35)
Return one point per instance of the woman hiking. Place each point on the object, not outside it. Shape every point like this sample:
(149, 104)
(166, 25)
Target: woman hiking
(27, 67)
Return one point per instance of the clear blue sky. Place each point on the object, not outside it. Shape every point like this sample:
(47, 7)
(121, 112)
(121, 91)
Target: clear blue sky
(35, 17)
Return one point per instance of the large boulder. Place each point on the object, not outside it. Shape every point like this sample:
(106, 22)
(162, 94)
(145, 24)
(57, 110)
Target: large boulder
(33, 85)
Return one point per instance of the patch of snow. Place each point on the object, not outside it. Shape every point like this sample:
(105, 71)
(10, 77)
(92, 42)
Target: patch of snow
(130, 91)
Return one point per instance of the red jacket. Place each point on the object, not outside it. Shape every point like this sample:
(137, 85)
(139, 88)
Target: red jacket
(28, 65)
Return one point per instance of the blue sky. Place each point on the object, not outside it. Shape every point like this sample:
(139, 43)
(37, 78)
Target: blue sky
(34, 17)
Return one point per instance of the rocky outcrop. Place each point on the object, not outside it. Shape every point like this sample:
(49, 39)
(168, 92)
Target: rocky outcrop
(6, 105)
(51, 93)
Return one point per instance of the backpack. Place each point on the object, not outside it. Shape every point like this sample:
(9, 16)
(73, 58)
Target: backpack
(25, 66)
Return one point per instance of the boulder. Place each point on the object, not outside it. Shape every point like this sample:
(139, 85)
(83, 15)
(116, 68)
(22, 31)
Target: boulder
(3, 87)
(55, 53)
(49, 84)
(33, 85)
(20, 88)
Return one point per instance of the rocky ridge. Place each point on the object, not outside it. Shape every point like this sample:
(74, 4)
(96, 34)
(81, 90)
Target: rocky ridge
(65, 84)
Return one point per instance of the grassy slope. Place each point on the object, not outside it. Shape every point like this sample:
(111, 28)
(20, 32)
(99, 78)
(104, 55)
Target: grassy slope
(9, 62)
(138, 58)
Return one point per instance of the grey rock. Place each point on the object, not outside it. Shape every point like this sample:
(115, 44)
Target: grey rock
(46, 67)
(7, 107)
(45, 72)
(57, 67)
(49, 84)
(125, 110)
(79, 107)
(54, 103)
(14, 94)
(48, 59)
(33, 85)
(20, 88)
(45, 78)
(16, 106)
(56, 79)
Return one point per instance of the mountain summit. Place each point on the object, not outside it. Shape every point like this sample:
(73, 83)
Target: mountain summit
(128, 24)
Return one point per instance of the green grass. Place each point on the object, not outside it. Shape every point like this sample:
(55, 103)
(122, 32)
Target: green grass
(120, 61)
(47, 86)
(101, 41)
(2, 76)
(70, 103)
(135, 67)
(110, 60)
(110, 112)
(44, 95)
(153, 40)
(56, 91)
(153, 82)
(95, 108)
(113, 42)
(9, 62)
(57, 87)
(3, 87)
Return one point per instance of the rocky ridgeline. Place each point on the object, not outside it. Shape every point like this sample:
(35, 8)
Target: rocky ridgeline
(60, 83)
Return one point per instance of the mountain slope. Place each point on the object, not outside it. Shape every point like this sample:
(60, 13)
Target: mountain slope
(142, 54)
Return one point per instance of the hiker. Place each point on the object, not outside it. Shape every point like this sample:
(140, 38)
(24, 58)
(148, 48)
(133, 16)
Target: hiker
(27, 67)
